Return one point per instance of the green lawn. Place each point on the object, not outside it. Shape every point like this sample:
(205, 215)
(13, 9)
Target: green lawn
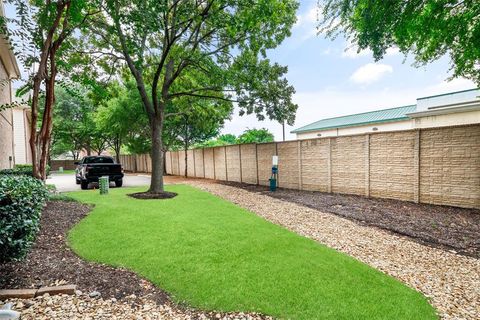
(212, 254)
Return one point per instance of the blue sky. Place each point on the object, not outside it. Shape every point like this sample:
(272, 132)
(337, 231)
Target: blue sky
(330, 81)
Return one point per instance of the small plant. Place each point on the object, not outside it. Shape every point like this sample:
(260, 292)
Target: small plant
(60, 197)
(21, 201)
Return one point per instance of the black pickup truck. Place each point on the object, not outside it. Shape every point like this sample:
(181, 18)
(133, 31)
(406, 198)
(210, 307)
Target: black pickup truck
(90, 168)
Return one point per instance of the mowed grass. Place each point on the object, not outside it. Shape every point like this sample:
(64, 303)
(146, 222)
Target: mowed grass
(214, 255)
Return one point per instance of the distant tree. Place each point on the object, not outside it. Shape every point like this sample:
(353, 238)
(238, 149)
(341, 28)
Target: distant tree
(256, 136)
(43, 30)
(73, 123)
(227, 139)
(428, 29)
(119, 116)
(221, 140)
(202, 120)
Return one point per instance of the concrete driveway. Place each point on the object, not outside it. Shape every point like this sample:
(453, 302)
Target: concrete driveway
(66, 182)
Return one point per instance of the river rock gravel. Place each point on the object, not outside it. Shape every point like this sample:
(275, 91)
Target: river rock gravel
(450, 281)
(81, 306)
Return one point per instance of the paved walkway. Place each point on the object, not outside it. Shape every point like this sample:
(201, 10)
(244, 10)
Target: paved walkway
(66, 181)
(449, 280)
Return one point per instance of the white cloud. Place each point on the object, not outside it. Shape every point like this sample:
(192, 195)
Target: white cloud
(392, 51)
(370, 72)
(352, 52)
(306, 25)
(456, 84)
(311, 15)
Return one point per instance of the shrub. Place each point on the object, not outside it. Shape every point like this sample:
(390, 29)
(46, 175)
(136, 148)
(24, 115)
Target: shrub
(21, 169)
(21, 201)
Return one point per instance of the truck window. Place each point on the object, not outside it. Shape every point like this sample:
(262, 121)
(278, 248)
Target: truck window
(98, 160)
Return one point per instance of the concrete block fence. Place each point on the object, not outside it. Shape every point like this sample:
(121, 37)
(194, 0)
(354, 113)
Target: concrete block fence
(434, 165)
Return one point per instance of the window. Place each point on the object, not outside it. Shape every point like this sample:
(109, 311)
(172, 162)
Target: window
(97, 160)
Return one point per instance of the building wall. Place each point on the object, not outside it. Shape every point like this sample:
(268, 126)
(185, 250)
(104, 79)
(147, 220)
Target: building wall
(432, 165)
(20, 136)
(381, 127)
(450, 119)
(6, 122)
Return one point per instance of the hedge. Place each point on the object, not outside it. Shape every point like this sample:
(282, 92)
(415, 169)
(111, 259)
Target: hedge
(21, 169)
(21, 201)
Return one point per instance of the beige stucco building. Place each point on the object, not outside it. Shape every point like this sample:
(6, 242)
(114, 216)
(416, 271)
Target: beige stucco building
(14, 122)
(455, 108)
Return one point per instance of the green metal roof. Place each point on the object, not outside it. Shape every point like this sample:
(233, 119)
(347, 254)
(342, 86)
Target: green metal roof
(385, 115)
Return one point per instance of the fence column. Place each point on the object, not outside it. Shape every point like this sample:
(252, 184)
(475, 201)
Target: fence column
(194, 169)
(256, 161)
(203, 160)
(278, 174)
(367, 165)
(240, 161)
(226, 165)
(416, 167)
(329, 165)
(214, 173)
(299, 156)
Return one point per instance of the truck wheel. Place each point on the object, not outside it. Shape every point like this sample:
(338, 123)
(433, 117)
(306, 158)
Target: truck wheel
(84, 185)
(118, 183)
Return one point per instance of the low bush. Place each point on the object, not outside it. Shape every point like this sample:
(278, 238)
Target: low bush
(21, 169)
(21, 201)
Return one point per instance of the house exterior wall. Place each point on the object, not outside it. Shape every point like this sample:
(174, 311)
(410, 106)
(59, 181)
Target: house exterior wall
(6, 122)
(20, 138)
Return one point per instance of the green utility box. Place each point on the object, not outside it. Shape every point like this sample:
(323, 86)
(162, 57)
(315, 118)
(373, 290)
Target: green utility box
(273, 184)
(104, 184)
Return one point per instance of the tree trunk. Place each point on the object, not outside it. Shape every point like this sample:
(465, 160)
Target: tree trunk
(156, 183)
(47, 121)
(117, 146)
(40, 141)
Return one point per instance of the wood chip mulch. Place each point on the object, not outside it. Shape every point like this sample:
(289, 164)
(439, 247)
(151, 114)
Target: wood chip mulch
(449, 228)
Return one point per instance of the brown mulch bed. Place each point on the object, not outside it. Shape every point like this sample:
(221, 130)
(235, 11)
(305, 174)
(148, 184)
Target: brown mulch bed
(51, 261)
(148, 195)
(449, 228)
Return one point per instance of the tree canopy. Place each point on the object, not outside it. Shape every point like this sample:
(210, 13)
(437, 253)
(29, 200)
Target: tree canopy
(203, 50)
(428, 29)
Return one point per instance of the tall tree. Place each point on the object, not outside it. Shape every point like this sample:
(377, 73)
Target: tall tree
(43, 30)
(428, 29)
(219, 44)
